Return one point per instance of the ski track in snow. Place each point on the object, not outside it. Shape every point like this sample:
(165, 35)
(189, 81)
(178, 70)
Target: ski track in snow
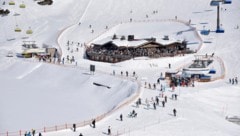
(30, 71)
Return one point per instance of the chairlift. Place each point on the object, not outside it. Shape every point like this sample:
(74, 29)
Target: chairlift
(11, 3)
(17, 29)
(215, 2)
(227, 1)
(29, 31)
(22, 5)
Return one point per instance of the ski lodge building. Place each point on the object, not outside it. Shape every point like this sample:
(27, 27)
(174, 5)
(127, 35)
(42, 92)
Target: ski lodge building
(116, 49)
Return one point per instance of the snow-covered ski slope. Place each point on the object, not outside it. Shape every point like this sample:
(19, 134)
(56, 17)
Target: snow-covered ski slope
(34, 95)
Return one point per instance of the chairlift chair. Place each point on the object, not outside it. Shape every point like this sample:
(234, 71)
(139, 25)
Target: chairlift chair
(29, 31)
(17, 29)
(11, 3)
(22, 5)
(215, 2)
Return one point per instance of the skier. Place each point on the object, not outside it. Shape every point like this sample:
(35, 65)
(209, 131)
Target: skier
(29, 133)
(40, 134)
(134, 73)
(233, 81)
(154, 86)
(114, 72)
(174, 112)
(137, 104)
(109, 130)
(121, 73)
(154, 106)
(121, 117)
(33, 132)
(163, 103)
(74, 127)
(157, 100)
(165, 98)
(236, 80)
(94, 123)
(149, 86)
(169, 65)
(127, 73)
(139, 101)
(172, 96)
(175, 96)
(230, 80)
(80, 134)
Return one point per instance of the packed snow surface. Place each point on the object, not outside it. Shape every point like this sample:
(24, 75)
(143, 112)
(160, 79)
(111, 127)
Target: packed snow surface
(36, 94)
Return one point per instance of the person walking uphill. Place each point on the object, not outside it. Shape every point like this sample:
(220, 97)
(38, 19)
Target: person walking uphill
(174, 112)
(109, 130)
(74, 127)
(94, 123)
(121, 117)
(165, 98)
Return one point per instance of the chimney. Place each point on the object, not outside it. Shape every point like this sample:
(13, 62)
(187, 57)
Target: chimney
(130, 37)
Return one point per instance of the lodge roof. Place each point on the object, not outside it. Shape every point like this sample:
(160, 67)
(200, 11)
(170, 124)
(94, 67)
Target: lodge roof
(136, 42)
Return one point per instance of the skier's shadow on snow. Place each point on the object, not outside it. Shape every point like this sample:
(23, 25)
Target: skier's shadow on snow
(135, 106)
(105, 133)
(118, 119)
(87, 73)
(171, 114)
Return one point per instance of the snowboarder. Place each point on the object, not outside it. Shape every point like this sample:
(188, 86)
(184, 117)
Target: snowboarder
(121, 117)
(109, 130)
(94, 123)
(163, 103)
(74, 127)
(174, 112)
